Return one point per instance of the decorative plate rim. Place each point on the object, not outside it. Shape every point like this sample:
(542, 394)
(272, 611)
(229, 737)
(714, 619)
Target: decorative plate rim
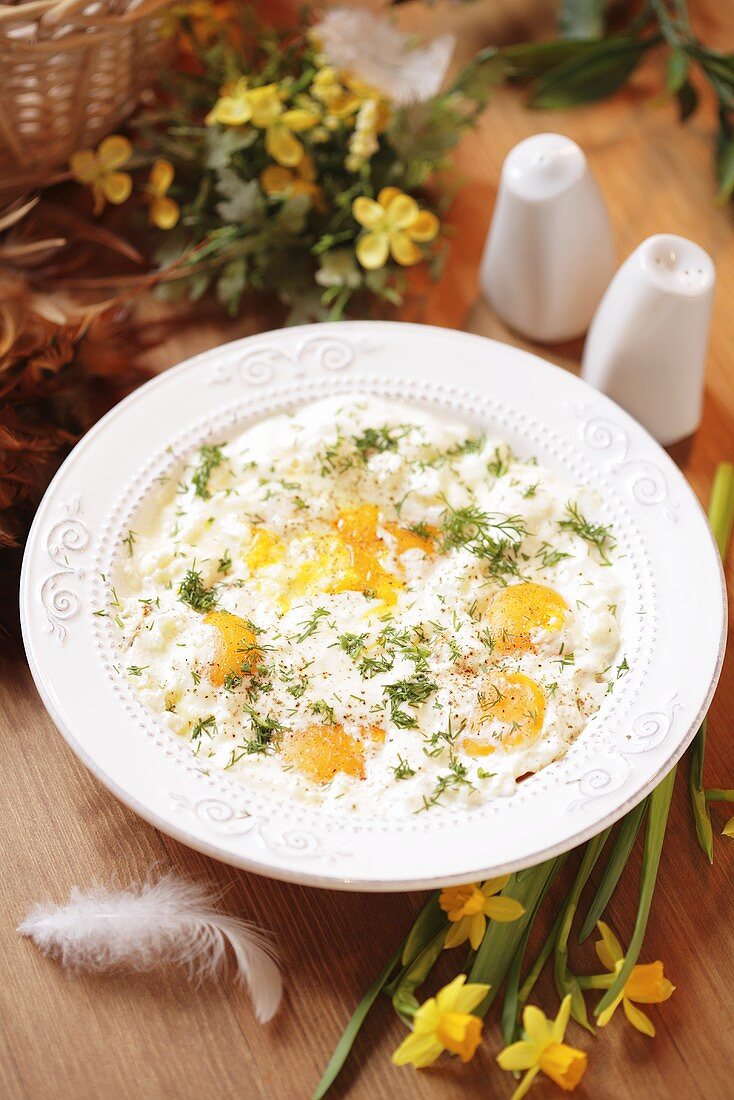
(213, 825)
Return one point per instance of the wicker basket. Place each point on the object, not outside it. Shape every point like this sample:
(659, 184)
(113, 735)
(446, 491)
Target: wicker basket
(70, 71)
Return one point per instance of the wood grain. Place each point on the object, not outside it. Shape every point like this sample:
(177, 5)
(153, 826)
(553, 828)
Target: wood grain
(156, 1037)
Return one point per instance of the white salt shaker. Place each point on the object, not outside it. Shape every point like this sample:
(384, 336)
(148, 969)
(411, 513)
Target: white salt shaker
(646, 347)
(549, 254)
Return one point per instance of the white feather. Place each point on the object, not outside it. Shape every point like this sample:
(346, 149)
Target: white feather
(168, 921)
(373, 49)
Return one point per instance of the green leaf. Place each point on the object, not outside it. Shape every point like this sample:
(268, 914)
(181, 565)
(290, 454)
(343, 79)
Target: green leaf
(721, 519)
(687, 97)
(428, 922)
(501, 941)
(701, 815)
(565, 981)
(231, 284)
(614, 867)
(221, 145)
(598, 72)
(346, 1042)
(531, 59)
(728, 829)
(243, 202)
(414, 975)
(512, 1001)
(484, 72)
(725, 168)
(721, 507)
(654, 837)
(677, 73)
(581, 19)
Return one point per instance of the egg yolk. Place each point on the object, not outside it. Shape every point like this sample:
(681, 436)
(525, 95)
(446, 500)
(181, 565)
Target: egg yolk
(516, 611)
(265, 549)
(323, 750)
(346, 559)
(474, 746)
(237, 648)
(518, 703)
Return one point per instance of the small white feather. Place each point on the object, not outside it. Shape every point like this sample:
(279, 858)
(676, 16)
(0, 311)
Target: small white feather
(168, 921)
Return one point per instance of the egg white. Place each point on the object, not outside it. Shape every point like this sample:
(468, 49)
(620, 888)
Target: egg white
(293, 474)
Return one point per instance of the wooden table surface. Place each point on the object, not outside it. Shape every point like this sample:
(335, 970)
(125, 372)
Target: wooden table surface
(154, 1036)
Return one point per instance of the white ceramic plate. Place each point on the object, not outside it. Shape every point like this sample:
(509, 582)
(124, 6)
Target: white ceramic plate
(673, 630)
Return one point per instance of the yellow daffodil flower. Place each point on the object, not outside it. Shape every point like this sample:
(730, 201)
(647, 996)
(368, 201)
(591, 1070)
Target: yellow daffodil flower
(163, 211)
(394, 224)
(277, 180)
(98, 169)
(646, 984)
(542, 1049)
(469, 906)
(444, 1022)
(234, 106)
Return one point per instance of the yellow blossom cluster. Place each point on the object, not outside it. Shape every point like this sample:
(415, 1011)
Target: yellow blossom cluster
(99, 169)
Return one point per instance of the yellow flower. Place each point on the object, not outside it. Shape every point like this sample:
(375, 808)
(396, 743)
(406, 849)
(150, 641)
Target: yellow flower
(97, 168)
(277, 180)
(394, 223)
(263, 107)
(444, 1022)
(646, 984)
(234, 107)
(163, 211)
(469, 906)
(542, 1049)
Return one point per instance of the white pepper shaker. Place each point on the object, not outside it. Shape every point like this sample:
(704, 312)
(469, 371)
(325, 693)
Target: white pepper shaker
(646, 347)
(549, 254)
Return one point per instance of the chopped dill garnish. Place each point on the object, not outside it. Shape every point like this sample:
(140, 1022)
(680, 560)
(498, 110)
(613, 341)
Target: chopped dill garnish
(322, 709)
(457, 776)
(193, 592)
(550, 557)
(470, 446)
(129, 541)
(137, 670)
(264, 729)
(352, 644)
(411, 693)
(374, 441)
(373, 666)
(596, 534)
(402, 770)
(210, 456)
(497, 467)
(225, 563)
(204, 725)
(196, 677)
(490, 536)
(310, 626)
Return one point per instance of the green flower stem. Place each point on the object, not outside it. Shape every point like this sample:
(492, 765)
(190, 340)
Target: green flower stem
(716, 794)
(346, 1042)
(565, 981)
(511, 1004)
(402, 990)
(427, 924)
(721, 518)
(654, 837)
(615, 865)
(596, 981)
(501, 940)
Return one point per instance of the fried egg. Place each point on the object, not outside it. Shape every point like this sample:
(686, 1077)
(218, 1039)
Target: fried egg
(370, 607)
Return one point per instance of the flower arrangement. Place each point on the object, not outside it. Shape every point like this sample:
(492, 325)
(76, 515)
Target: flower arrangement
(292, 162)
(497, 918)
